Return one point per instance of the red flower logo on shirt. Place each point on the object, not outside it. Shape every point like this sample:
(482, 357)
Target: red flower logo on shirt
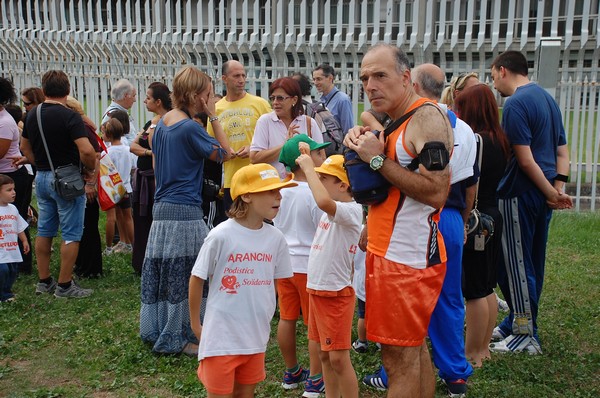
(229, 284)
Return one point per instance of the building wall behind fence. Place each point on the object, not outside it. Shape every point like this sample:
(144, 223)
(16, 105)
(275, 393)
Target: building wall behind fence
(98, 42)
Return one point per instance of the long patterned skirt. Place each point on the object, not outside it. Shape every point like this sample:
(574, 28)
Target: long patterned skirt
(176, 235)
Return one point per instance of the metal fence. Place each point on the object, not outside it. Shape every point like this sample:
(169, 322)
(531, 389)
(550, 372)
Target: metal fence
(98, 42)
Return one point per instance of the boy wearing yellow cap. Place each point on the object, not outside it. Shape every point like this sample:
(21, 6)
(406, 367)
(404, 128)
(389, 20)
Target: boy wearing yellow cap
(241, 257)
(329, 285)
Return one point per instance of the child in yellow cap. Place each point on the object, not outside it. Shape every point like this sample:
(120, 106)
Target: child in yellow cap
(329, 284)
(241, 258)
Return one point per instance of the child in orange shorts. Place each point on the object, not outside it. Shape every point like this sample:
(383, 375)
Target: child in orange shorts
(241, 257)
(298, 220)
(330, 268)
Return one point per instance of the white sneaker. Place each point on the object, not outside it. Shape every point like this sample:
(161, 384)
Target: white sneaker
(502, 305)
(517, 343)
(497, 334)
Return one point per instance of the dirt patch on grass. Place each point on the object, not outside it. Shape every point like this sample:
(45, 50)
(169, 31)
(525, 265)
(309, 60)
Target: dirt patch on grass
(24, 375)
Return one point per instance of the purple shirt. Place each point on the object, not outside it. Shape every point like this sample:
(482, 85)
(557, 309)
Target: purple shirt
(9, 131)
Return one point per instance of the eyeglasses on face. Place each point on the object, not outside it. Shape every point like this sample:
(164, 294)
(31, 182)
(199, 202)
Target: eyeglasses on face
(279, 98)
(27, 103)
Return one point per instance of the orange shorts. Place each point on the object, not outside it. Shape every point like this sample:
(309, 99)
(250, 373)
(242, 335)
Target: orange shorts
(330, 320)
(292, 297)
(219, 374)
(400, 300)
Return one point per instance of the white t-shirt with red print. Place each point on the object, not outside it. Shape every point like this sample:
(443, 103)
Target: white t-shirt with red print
(11, 225)
(330, 263)
(241, 265)
(298, 219)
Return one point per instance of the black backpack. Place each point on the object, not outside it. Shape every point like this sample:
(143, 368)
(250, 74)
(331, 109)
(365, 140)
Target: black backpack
(332, 131)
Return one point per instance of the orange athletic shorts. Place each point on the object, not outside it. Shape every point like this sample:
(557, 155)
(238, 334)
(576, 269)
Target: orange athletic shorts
(400, 300)
(292, 297)
(219, 374)
(330, 319)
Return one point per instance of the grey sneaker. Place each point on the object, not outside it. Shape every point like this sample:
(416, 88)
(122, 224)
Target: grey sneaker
(42, 287)
(122, 248)
(73, 291)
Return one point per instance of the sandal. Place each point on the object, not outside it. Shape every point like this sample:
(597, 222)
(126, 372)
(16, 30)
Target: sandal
(190, 349)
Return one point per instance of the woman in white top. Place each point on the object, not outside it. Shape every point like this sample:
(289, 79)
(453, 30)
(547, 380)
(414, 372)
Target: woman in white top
(287, 119)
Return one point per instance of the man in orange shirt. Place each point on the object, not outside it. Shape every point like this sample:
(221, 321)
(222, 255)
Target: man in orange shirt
(406, 258)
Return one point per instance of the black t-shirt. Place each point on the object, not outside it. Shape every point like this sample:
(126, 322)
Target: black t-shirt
(145, 162)
(62, 127)
(492, 170)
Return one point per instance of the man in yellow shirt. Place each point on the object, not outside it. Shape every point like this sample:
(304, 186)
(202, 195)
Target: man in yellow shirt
(238, 112)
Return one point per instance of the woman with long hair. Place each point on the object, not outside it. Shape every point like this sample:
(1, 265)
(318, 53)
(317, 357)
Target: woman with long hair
(457, 85)
(179, 147)
(477, 106)
(9, 150)
(158, 101)
(286, 120)
(32, 97)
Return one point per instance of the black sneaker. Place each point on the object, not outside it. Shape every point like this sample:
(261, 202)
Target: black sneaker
(456, 388)
(360, 347)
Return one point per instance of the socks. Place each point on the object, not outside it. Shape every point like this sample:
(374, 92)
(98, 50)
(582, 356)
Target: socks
(295, 369)
(47, 281)
(65, 285)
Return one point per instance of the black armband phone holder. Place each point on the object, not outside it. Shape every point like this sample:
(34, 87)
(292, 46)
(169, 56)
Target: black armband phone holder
(434, 156)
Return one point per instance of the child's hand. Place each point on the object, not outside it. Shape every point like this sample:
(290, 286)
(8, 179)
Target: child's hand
(304, 160)
(26, 247)
(197, 331)
(304, 148)
(363, 240)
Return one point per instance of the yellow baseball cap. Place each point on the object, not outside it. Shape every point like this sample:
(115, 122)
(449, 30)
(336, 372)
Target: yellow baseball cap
(259, 177)
(334, 165)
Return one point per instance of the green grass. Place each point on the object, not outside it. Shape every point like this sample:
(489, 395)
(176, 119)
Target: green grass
(91, 348)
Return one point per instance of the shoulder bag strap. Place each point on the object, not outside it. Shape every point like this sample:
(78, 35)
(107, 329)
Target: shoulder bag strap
(39, 120)
(308, 126)
(479, 160)
(397, 123)
(329, 100)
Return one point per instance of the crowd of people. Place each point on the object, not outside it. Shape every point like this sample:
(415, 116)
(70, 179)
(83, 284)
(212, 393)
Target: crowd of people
(232, 209)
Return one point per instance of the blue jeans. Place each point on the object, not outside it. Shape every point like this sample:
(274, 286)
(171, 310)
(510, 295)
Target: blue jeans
(54, 210)
(8, 276)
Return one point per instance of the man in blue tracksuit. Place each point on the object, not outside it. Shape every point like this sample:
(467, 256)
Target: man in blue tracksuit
(531, 188)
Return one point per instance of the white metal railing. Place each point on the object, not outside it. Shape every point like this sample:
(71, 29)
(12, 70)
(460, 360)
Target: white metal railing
(98, 41)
